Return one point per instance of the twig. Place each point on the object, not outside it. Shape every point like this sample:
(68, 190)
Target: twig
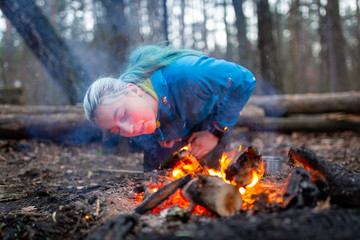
(119, 171)
(97, 207)
(33, 214)
(76, 226)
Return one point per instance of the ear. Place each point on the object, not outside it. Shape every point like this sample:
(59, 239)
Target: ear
(135, 89)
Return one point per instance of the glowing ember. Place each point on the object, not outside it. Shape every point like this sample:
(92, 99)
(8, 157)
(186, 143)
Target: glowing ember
(183, 169)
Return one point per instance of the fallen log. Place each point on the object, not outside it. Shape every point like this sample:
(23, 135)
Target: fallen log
(241, 171)
(317, 123)
(214, 194)
(342, 185)
(163, 193)
(40, 109)
(287, 104)
(58, 127)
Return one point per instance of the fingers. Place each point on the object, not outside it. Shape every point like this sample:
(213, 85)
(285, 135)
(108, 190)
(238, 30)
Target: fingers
(191, 139)
(198, 150)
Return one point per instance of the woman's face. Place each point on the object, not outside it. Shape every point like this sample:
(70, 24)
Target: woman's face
(129, 115)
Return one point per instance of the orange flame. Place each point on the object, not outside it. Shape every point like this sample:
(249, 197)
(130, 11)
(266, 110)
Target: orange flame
(182, 169)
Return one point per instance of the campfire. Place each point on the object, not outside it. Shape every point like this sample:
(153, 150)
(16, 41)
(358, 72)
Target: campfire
(186, 182)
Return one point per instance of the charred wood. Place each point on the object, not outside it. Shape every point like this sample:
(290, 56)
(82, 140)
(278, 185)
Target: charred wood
(300, 191)
(214, 194)
(181, 158)
(342, 185)
(240, 172)
(163, 193)
(116, 228)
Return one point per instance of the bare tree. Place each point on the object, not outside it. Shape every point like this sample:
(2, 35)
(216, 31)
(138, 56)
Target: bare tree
(244, 44)
(116, 32)
(46, 44)
(335, 41)
(270, 71)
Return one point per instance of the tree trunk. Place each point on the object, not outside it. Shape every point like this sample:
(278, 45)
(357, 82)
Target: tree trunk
(269, 65)
(117, 33)
(46, 44)
(244, 44)
(323, 55)
(336, 48)
(165, 22)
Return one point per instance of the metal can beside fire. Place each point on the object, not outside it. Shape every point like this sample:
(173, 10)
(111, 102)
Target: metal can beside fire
(271, 164)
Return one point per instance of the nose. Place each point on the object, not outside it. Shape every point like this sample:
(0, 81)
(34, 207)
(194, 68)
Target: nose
(126, 128)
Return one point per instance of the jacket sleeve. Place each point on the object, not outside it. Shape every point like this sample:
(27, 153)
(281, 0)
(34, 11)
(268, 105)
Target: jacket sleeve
(212, 87)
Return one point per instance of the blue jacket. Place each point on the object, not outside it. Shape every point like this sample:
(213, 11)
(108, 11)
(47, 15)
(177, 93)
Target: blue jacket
(195, 89)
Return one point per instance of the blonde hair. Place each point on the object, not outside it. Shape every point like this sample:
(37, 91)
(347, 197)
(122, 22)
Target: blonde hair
(144, 61)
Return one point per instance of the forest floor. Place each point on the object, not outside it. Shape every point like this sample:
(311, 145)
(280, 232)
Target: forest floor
(52, 191)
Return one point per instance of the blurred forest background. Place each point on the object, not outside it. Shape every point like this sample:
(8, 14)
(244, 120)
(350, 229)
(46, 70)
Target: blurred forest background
(54, 49)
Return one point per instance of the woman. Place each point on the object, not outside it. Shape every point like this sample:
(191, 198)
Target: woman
(168, 98)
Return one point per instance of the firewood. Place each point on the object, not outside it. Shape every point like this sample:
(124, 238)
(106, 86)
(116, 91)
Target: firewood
(163, 193)
(240, 172)
(214, 194)
(300, 191)
(182, 158)
(342, 185)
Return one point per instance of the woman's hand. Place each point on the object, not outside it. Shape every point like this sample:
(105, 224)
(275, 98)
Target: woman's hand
(202, 143)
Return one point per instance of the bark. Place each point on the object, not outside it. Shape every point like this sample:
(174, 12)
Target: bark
(162, 194)
(46, 44)
(165, 22)
(342, 185)
(241, 171)
(323, 55)
(214, 194)
(283, 105)
(336, 48)
(299, 190)
(315, 123)
(117, 36)
(244, 44)
(182, 158)
(269, 64)
(60, 127)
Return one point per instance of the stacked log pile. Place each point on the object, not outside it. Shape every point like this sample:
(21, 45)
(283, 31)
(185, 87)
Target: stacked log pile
(307, 112)
(303, 112)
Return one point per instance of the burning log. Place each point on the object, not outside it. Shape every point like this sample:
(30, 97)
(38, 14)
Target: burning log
(242, 171)
(163, 193)
(182, 158)
(342, 185)
(300, 191)
(214, 194)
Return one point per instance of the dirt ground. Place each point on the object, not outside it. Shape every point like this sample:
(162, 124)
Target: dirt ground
(52, 191)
